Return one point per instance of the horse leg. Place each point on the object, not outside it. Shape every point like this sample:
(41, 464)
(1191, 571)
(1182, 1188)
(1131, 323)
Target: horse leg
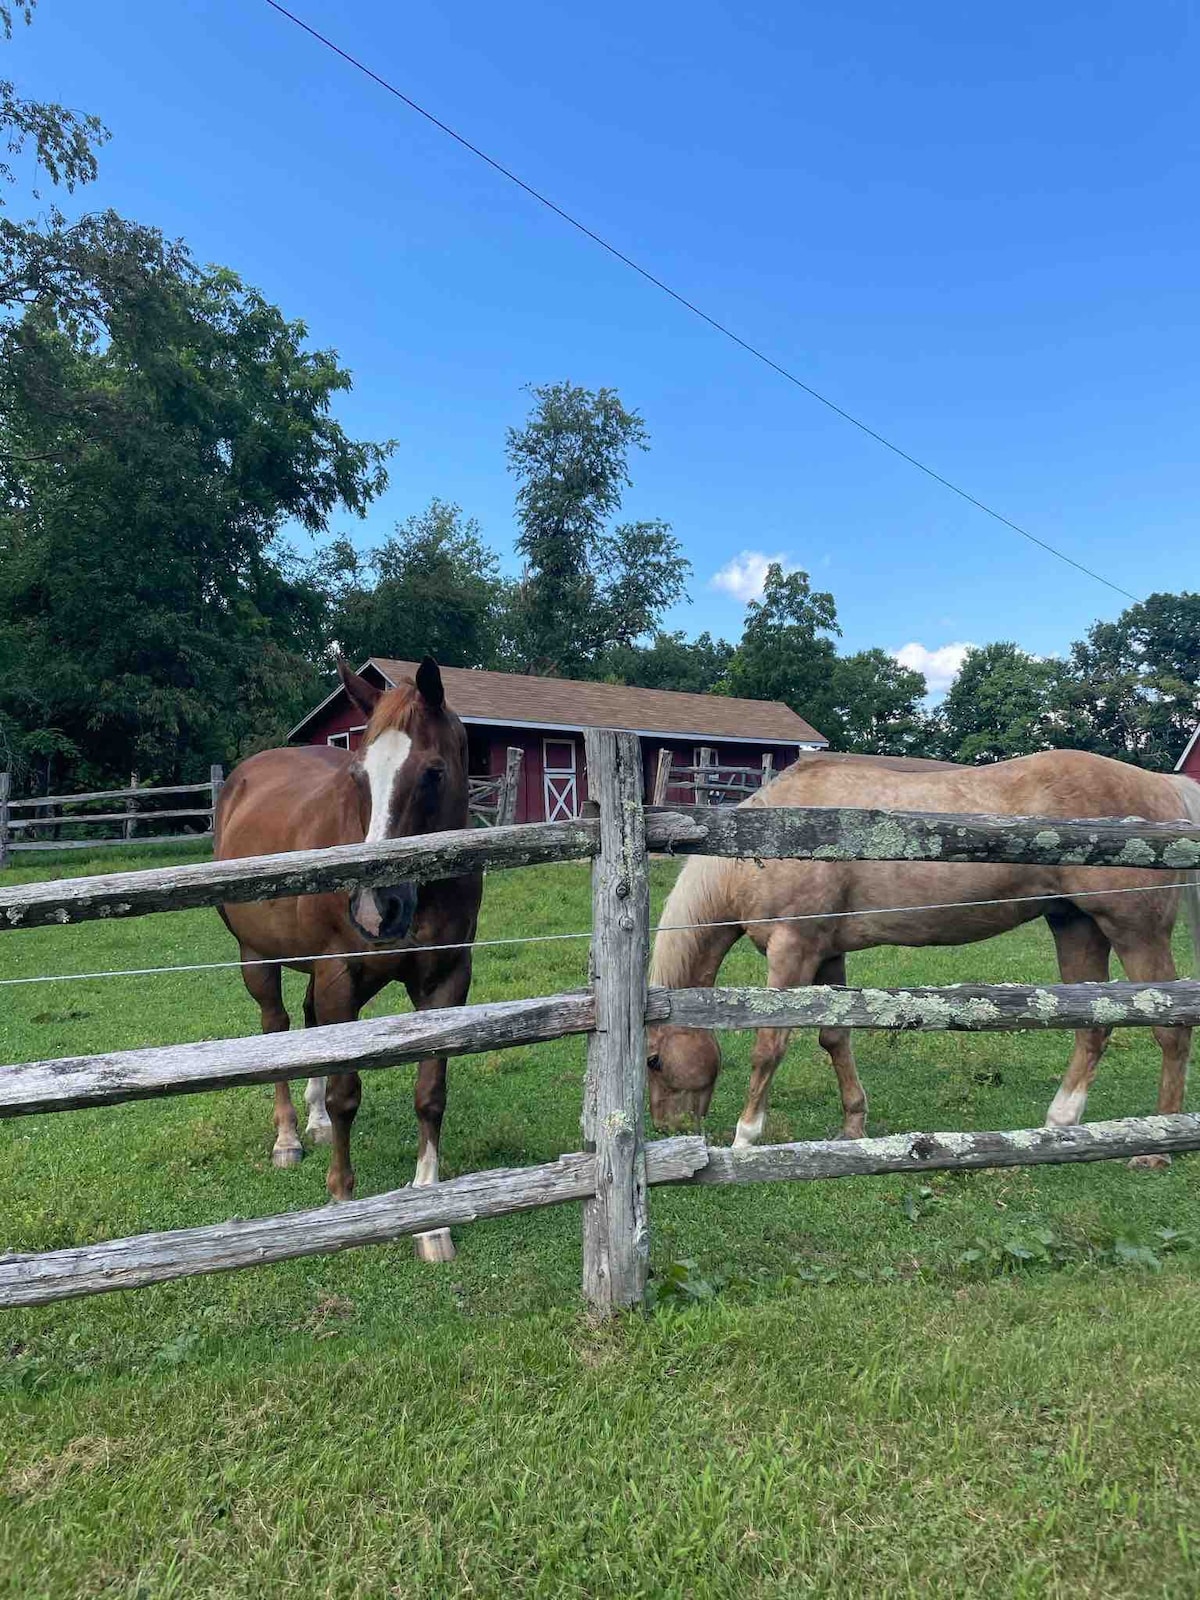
(1083, 951)
(836, 1044)
(318, 1127)
(335, 1000)
(429, 1100)
(266, 987)
(1152, 961)
(789, 963)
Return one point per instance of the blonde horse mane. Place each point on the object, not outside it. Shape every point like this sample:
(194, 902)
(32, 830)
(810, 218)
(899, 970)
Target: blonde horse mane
(698, 896)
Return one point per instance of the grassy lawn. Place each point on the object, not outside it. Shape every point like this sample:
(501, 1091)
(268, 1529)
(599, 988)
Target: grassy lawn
(826, 1400)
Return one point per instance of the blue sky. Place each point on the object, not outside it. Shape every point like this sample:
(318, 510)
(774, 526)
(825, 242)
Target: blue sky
(976, 228)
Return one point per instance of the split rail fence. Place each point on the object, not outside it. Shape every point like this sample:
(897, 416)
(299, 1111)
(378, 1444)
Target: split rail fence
(494, 799)
(708, 782)
(614, 1172)
(49, 814)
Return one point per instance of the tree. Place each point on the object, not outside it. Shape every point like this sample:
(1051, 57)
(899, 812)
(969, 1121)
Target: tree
(432, 589)
(149, 615)
(669, 661)
(1131, 689)
(1002, 703)
(877, 706)
(586, 588)
(786, 652)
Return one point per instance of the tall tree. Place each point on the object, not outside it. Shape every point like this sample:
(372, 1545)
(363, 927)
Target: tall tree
(432, 589)
(586, 586)
(1002, 703)
(670, 661)
(786, 650)
(877, 706)
(1131, 689)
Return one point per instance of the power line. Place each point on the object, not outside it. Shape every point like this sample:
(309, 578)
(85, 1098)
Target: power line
(689, 305)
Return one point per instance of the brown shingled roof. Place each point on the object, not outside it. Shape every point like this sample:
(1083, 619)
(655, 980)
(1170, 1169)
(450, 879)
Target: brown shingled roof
(511, 697)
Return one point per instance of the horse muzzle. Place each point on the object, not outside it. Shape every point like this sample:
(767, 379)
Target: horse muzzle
(384, 914)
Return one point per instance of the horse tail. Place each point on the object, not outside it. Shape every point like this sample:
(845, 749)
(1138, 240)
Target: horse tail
(1189, 792)
(682, 949)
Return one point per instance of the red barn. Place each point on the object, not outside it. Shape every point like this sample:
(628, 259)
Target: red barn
(1189, 761)
(545, 718)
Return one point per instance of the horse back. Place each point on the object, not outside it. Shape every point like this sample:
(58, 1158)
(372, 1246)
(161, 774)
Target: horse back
(300, 797)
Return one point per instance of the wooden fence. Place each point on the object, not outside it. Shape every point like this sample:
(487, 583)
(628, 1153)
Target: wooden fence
(52, 813)
(493, 802)
(612, 1176)
(709, 783)
(494, 799)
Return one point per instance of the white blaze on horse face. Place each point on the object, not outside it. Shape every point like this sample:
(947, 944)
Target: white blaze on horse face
(382, 761)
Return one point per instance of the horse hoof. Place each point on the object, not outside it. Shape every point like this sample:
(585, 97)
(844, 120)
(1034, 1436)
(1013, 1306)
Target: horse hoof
(320, 1132)
(287, 1155)
(1149, 1163)
(436, 1246)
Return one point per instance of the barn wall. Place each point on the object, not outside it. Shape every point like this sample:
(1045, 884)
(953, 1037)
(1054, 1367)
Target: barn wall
(1191, 762)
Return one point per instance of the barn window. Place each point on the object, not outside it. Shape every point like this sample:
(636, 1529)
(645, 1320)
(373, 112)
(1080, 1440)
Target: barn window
(340, 741)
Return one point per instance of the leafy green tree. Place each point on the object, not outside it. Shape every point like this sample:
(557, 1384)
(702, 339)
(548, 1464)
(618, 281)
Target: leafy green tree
(1002, 703)
(586, 587)
(1131, 689)
(877, 706)
(786, 650)
(670, 661)
(149, 614)
(432, 589)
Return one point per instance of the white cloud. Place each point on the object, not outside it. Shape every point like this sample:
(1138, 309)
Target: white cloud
(939, 666)
(744, 576)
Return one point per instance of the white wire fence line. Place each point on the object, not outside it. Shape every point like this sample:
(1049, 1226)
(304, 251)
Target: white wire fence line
(560, 938)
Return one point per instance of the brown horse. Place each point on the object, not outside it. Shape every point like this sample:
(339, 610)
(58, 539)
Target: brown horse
(1086, 925)
(408, 777)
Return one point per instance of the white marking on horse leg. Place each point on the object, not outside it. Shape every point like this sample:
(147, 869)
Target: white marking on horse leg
(436, 1245)
(1066, 1109)
(749, 1131)
(318, 1127)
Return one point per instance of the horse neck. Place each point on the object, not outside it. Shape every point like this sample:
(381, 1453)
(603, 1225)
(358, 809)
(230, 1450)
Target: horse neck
(685, 955)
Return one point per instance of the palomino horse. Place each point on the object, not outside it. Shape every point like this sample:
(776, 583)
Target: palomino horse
(1086, 925)
(409, 776)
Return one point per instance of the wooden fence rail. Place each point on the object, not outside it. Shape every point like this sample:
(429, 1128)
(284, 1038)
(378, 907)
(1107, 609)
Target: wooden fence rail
(53, 812)
(613, 1174)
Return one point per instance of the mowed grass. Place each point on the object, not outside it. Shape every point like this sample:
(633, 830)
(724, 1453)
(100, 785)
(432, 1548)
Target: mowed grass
(849, 1410)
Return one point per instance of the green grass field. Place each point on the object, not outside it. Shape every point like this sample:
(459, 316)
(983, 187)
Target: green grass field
(826, 1399)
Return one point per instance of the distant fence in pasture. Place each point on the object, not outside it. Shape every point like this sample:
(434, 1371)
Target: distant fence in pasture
(710, 783)
(613, 1174)
(493, 801)
(140, 807)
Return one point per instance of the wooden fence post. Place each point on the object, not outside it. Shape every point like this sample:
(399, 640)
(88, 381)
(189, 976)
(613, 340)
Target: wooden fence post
(5, 792)
(506, 808)
(768, 769)
(616, 1232)
(130, 806)
(662, 777)
(708, 758)
(216, 778)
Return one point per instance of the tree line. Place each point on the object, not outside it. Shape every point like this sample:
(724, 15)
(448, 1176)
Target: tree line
(163, 428)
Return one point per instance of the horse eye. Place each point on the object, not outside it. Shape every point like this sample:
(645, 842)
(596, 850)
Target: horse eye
(653, 1063)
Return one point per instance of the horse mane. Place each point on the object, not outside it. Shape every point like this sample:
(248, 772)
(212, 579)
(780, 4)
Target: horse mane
(698, 896)
(394, 709)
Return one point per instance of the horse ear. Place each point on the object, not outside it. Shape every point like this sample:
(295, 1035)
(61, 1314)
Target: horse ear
(365, 695)
(429, 682)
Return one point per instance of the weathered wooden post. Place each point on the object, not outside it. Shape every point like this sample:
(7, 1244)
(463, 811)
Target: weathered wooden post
(662, 777)
(768, 769)
(130, 806)
(5, 793)
(216, 778)
(708, 758)
(616, 1232)
(506, 808)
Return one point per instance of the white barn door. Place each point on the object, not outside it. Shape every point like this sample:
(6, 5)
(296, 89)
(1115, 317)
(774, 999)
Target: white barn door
(560, 779)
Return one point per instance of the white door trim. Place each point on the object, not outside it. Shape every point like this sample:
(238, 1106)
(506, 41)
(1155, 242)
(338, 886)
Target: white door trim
(560, 785)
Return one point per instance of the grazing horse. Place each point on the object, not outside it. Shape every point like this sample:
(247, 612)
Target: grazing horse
(409, 776)
(1087, 925)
